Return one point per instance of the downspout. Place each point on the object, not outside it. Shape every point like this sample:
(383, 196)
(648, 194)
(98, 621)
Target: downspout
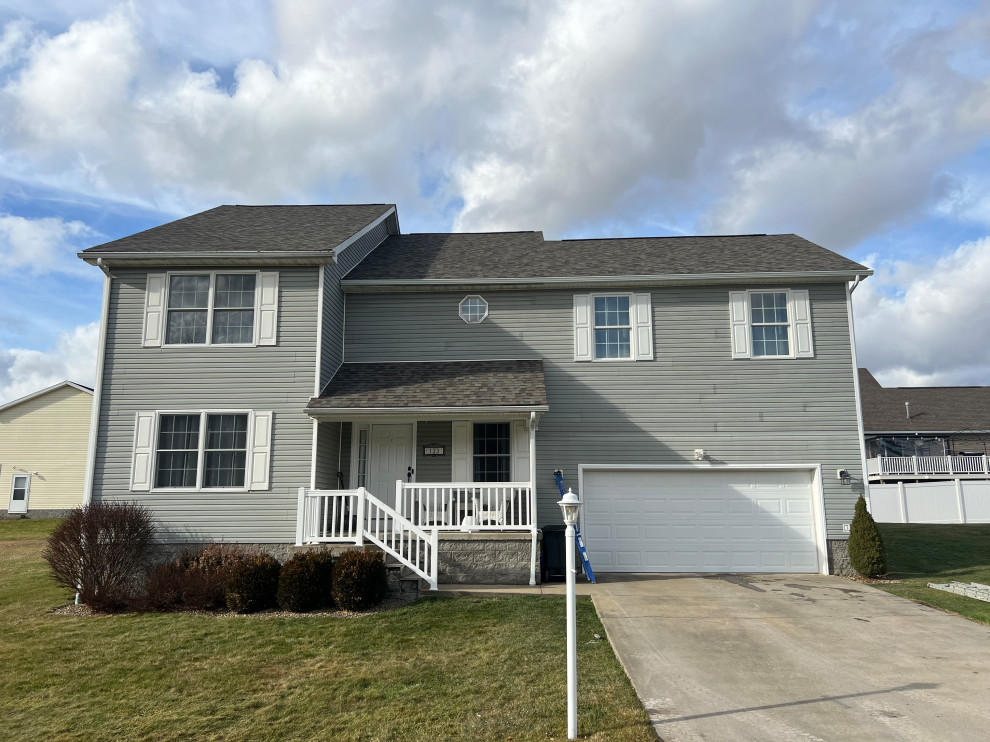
(859, 401)
(94, 422)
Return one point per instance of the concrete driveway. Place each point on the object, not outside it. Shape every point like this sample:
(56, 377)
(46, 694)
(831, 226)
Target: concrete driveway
(795, 657)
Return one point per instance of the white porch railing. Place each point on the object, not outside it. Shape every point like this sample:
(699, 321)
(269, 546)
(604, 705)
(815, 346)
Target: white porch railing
(353, 516)
(926, 466)
(474, 506)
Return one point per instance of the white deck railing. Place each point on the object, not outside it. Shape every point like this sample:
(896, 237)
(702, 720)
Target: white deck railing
(353, 516)
(926, 466)
(474, 506)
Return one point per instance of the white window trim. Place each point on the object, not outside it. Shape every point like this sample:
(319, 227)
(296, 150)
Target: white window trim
(632, 328)
(641, 336)
(210, 308)
(797, 299)
(460, 308)
(201, 455)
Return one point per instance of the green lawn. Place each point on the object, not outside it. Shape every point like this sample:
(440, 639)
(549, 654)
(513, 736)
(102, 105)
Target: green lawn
(919, 554)
(456, 668)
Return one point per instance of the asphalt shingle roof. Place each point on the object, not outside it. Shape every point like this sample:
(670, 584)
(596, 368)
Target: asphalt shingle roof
(435, 384)
(252, 228)
(934, 409)
(526, 255)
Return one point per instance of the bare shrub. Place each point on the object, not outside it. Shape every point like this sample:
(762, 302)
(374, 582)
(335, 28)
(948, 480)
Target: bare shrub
(100, 549)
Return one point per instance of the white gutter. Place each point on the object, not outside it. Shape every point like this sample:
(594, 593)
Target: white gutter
(337, 412)
(94, 421)
(662, 278)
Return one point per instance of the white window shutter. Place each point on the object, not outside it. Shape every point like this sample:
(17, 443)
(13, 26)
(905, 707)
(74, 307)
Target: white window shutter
(154, 310)
(267, 308)
(583, 330)
(643, 327)
(739, 321)
(260, 455)
(804, 344)
(142, 463)
(461, 451)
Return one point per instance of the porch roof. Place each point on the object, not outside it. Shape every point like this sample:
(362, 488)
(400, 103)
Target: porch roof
(433, 387)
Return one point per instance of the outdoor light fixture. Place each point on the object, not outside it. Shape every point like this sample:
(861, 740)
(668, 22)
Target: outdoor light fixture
(570, 506)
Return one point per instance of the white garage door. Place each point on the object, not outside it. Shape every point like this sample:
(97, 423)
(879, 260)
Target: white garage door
(660, 520)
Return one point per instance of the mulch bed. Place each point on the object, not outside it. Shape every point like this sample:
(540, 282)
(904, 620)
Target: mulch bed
(386, 605)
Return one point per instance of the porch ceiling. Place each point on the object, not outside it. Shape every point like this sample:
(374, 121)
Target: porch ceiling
(433, 388)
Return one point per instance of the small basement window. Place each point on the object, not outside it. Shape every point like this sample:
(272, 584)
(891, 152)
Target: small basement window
(473, 309)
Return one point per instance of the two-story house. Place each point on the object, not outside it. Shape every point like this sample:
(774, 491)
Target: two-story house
(309, 374)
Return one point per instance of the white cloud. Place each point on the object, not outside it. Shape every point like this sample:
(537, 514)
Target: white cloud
(927, 324)
(73, 358)
(41, 245)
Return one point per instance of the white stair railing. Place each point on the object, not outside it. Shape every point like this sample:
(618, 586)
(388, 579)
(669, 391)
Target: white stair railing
(351, 516)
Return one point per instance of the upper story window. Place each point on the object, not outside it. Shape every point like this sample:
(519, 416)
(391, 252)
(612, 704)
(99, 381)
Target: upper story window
(770, 327)
(215, 308)
(613, 327)
(771, 324)
(219, 306)
(201, 450)
(473, 309)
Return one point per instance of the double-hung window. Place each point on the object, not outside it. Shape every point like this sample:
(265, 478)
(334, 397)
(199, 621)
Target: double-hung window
(771, 324)
(202, 450)
(613, 327)
(218, 306)
(492, 452)
(211, 308)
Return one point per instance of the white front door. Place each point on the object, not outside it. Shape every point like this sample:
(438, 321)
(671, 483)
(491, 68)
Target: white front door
(19, 494)
(391, 456)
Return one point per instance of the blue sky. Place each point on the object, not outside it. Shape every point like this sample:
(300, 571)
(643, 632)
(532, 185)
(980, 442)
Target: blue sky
(864, 127)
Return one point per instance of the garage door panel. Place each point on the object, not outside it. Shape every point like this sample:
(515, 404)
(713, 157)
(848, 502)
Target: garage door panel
(689, 521)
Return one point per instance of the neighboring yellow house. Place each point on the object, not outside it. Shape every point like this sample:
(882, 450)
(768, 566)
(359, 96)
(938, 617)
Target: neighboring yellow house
(43, 443)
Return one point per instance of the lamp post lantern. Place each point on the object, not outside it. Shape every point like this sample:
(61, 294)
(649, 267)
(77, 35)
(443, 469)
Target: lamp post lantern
(570, 505)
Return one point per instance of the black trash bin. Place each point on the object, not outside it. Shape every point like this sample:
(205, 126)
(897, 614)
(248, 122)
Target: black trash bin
(554, 553)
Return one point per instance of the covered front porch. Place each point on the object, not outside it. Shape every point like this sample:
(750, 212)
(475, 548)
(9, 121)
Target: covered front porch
(429, 461)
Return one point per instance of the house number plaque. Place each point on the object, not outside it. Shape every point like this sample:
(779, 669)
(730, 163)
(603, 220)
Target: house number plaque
(433, 450)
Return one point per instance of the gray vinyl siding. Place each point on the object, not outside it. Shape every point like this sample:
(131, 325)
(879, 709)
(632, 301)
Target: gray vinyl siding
(333, 298)
(433, 468)
(345, 454)
(693, 395)
(327, 446)
(275, 378)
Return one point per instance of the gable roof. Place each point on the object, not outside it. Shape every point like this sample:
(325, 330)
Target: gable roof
(247, 230)
(934, 409)
(46, 390)
(526, 255)
(417, 386)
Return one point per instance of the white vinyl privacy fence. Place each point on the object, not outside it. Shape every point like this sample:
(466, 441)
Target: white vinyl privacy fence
(957, 501)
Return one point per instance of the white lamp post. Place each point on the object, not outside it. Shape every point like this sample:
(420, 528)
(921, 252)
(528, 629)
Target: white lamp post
(569, 506)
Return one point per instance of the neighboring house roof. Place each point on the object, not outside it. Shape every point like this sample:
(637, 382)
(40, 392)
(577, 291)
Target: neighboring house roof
(409, 386)
(526, 255)
(248, 230)
(934, 409)
(46, 390)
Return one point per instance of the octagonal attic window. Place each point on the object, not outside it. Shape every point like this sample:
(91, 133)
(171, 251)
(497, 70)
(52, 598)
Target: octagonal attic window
(473, 309)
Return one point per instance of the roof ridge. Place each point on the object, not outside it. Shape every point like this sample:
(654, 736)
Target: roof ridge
(667, 237)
